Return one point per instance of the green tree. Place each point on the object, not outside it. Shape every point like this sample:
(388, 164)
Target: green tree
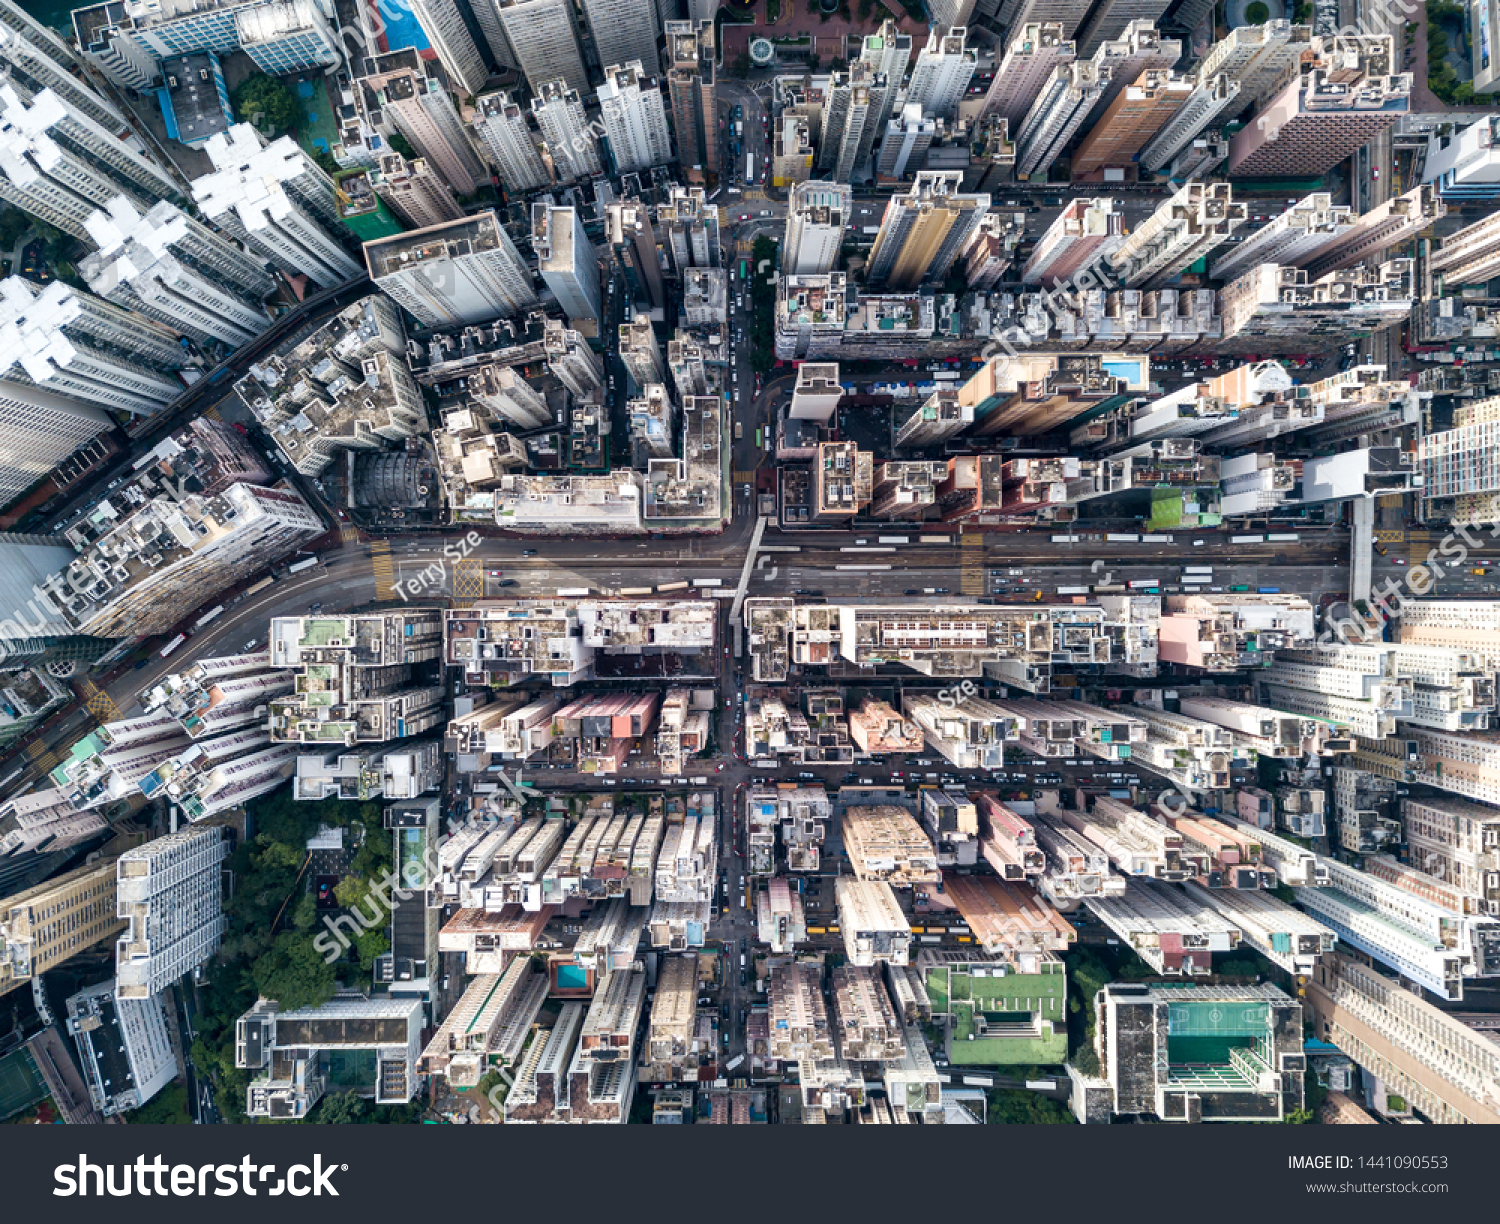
(13, 223)
(1257, 13)
(326, 160)
(294, 973)
(401, 145)
(266, 102)
(1017, 1107)
(340, 1109)
(1299, 1117)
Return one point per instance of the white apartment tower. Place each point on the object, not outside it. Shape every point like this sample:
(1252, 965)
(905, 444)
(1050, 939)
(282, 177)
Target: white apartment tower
(543, 36)
(35, 59)
(170, 268)
(571, 142)
(817, 218)
(624, 31)
(38, 431)
(450, 39)
(78, 345)
(1061, 106)
(501, 128)
(1198, 218)
(634, 117)
(170, 893)
(276, 201)
(60, 165)
(1290, 239)
(942, 73)
(567, 262)
(886, 53)
(460, 272)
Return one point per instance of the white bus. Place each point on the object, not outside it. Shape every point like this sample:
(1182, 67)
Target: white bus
(671, 586)
(305, 563)
(1083, 590)
(1247, 539)
(207, 616)
(708, 582)
(572, 592)
(172, 645)
(1140, 584)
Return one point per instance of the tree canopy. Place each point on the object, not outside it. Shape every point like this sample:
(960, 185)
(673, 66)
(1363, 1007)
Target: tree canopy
(266, 102)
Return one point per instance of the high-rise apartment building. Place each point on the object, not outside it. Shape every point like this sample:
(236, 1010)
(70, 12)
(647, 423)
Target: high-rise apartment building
(1399, 219)
(1290, 239)
(1127, 123)
(640, 352)
(167, 266)
(570, 140)
(1062, 104)
(465, 271)
(39, 430)
(357, 683)
(1084, 233)
(687, 227)
(381, 406)
(846, 114)
(1113, 19)
(1269, 306)
(60, 165)
(923, 230)
(1434, 1061)
(886, 54)
(128, 44)
(817, 217)
(170, 893)
(942, 73)
(634, 118)
(277, 201)
(904, 143)
(1034, 53)
(544, 38)
(443, 23)
(1349, 94)
(500, 125)
(692, 84)
(567, 262)
(1136, 49)
(83, 347)
(35, 59)
(624, 31)
(410, 98)
(1471, 255)
(1193, 222)
(413, 192)
(1210, 97)
(133, 577)
(46, 924)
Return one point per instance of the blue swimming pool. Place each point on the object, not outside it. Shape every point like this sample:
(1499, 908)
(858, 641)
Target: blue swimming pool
(401, 26)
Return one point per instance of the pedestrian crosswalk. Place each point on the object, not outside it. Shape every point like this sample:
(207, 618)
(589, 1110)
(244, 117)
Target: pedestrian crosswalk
(744, 475)
(971, 576)
(385, 574)
(100, 704)
(43, 757)
(1391, 537)
(468, 579)
(350, 535)
(213, 414)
